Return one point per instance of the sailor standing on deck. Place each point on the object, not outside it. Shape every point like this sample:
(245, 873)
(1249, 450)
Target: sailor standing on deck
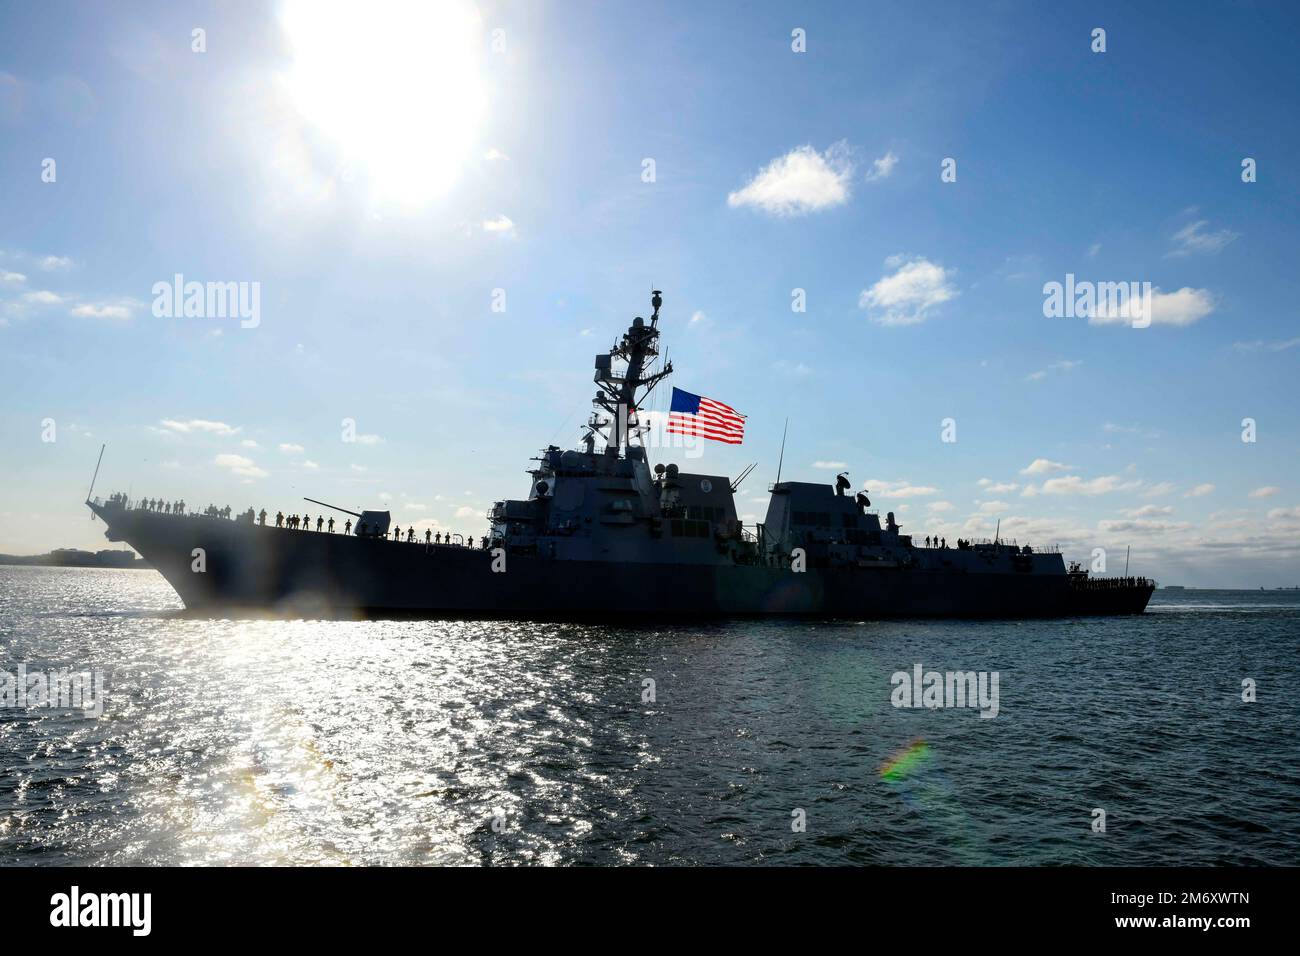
(331, 525)
(347, 527)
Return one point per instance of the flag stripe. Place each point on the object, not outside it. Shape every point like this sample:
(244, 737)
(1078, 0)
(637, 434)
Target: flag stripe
(725, 441)
(693, 424)
(703, 417)
(701, 429)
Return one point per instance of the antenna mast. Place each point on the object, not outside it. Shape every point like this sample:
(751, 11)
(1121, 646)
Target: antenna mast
(618, 394)
(781, 461)
(95, 476)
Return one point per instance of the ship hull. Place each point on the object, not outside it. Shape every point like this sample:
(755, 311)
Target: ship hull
(219, 566)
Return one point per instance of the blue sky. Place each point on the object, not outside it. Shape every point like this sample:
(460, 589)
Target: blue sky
(380, 176)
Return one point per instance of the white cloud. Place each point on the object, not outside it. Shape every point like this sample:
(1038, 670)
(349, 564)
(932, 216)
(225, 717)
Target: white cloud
(493, 155)
(801, 181)
(830, 465)
(1116, 429)
(1200, 491)
(1142, 527)
(1159, 489)
(1285, 514)
(197, 425)
(103, 310)
(42, 298)
(937, 506)
(1148, 511)
(1267, 491)
(994, 507)
(1064, 365)
(1183, 307)
(1043, 466)
(882, 168)
(1278, 345)
(54, 263)
(308, 464)
(13, 277)
(1194, 237)
(997, 487)
(501, 225)
(291, 449)
(369, 439)
(248, 443)
(897, 489)
(907, 296)
(465, 511)
(239, 465)
(698, 319)
(1074, 485)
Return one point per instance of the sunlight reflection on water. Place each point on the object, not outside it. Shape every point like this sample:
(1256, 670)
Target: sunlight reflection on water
(427, 742)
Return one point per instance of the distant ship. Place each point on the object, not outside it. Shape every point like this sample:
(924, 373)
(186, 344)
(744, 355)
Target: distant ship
(602, 533)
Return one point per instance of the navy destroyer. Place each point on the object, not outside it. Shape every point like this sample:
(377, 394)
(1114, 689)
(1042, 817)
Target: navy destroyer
(603, 532)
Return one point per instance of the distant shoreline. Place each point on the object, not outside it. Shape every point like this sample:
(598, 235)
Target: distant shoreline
(1179, 587)
(75, 558)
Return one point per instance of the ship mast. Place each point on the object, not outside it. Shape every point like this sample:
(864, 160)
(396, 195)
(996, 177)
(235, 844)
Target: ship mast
(625, 385)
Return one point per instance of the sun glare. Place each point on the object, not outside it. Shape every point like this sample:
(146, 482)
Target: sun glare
(395, 84)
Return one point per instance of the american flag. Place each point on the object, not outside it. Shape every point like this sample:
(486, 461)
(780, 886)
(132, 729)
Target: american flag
(705, 418)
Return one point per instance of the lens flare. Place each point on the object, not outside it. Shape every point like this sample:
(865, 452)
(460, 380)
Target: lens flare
(910, 758)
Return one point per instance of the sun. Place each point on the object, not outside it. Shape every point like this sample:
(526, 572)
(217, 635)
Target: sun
(394, 84)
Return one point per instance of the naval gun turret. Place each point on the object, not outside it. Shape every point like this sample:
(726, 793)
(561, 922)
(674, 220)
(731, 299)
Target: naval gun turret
(370, 524)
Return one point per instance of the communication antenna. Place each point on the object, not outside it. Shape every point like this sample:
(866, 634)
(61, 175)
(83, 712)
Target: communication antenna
(998, 533)
(1126, 554)
(95, 476)
(781, 460)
